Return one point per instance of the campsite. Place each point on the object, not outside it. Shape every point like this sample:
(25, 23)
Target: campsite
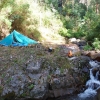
(31, 68)
(16, 39)
(49, 50)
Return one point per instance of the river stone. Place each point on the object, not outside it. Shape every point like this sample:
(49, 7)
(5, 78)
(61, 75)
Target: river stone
(78, 42)
(72, 40)
(92, 54)
(98, 94)
(71, 47)
(82, 43)
(85, 70)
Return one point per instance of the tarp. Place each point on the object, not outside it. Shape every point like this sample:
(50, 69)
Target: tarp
(17, 39)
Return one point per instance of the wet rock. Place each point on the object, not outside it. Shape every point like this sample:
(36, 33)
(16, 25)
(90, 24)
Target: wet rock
(85, 70)
(98, 94)
(71, 47)
(92, 54)
(94, 71)
(82, 43)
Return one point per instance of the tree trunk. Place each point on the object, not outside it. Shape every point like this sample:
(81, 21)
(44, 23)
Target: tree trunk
(97, 8)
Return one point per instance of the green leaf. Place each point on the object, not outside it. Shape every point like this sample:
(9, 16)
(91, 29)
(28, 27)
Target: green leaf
(31, 86)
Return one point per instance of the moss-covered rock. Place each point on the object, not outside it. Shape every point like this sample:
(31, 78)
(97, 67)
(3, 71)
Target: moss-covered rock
(34, 72)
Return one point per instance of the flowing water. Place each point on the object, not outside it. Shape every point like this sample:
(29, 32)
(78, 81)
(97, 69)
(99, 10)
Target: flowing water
(93, 84)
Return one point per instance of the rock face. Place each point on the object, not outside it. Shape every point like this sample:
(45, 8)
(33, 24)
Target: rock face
(43, 74)
(36, 82)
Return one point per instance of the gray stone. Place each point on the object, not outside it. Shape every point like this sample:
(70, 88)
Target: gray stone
(72, 40)
(33, 67)
(39, 91)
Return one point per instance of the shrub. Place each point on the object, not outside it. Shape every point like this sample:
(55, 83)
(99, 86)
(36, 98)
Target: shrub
(46, 22)
(69, 23)
(96, 44)
(18, 16)
(5, 23)
(34, 34)
(78, 33)
(87, 47)
(63, 32)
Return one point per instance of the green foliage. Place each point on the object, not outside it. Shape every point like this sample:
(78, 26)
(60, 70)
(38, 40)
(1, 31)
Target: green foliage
(18, 16)
(93, 25)
(5, 23)
(81, 9)
(75, 9)
(87, 47)
(77, 34)
(31, 86)
(90, 35)
(97, 30)
(63, 32)
(23, 95)
(52, 4)
(97, 1)
(70, 33)
(5, 3)
(69, 23)
(96, 44)
(34, 33)
(46, 22)
(13, 16)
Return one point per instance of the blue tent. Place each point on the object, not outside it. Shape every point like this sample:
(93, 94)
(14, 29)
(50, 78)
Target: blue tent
(17, 39)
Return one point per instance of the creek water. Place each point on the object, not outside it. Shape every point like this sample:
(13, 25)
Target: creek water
(92, 85)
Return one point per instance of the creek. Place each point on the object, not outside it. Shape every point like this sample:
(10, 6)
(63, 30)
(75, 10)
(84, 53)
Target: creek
(92, 85)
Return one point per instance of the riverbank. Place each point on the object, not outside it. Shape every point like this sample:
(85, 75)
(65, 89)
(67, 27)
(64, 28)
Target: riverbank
(41, 72)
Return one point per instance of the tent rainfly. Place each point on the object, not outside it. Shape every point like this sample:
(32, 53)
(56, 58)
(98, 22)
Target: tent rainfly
(17, 39)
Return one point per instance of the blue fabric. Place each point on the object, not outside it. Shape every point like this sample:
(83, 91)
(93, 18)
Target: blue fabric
(17, 39)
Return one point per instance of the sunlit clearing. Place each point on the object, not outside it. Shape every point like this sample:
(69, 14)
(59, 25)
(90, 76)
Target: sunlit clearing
(51, 37)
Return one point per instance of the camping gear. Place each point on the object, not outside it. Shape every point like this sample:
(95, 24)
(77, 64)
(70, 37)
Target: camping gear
(17, 39)
(50, 49)
(70, 54)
